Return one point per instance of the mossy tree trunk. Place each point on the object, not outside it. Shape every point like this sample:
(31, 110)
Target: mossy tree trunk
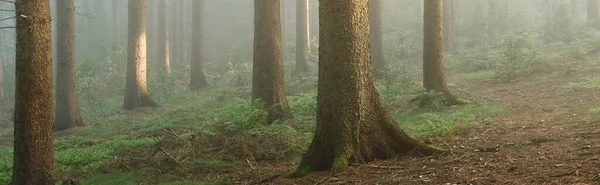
(302, 36)
(136, 86)
(198, 74)
(267, 69)
(67, 109)
(434, 79)
(33, 157)
(353, 126)
(163, 37)
(376, 38)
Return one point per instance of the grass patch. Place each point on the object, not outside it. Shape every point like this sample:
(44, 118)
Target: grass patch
(588, 84)
(485, 74)
(132, 178)
(594, 110)
(439, 123)
(190, 183)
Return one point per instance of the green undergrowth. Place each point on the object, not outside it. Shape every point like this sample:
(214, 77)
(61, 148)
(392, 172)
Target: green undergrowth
(594, 110)
(434, 123)
(478, 75)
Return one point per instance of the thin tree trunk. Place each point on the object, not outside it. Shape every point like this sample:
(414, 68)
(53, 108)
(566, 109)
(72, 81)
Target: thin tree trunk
(116, 24)
(1, 70)
(136, 87)
(163, 37)
(376, 38)
(67, 109)
(448, 14)
(283, 12)
(353, 125)
(267, 69)
(180, 32)
(198, 76)
(33, 157)
(302, 36)
(592, 12)
(433, 52)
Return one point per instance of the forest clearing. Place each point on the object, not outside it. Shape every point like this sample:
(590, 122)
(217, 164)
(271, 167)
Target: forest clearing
(203, 92)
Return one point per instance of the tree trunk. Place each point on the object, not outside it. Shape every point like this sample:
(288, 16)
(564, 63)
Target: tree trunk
(116, 24)
(66, 110)
(1, 70)
(267, 69)
(136, 87)
(163, 37)
(302, 36)
(283, 18)
(34, 113)
(353, 125)
(376, 37)
(433, 53)
(592, 12)
(198, 76)
(448, 23)
(180, 32)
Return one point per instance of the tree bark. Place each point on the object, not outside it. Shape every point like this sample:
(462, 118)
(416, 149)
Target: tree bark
(376, 38)
(433, 52)
(353, 125)
(34, 111)
(136, 87)
(163, 37)
(302, 36)
(66, 113)
(116, 24)
(592, 12)
(267, 69)
(198, 74)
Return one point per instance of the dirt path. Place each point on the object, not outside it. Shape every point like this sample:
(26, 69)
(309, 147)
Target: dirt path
(547, 137)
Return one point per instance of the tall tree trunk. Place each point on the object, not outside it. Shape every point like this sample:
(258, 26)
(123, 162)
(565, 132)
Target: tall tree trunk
(376, 38)
(433, 53)
(66, 113)
(163, 37)
(180, 32)
(302, 36)
(33, 157)
(353, 125)
(283, 18)
(592, 12)
(136, 86)
(1, 70)
(267, 69)
(448, 15)
(116, 24)
(198, 76)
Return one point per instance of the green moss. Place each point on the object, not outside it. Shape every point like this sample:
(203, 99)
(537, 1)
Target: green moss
(132, 178)
(340, 163)
(300, 171)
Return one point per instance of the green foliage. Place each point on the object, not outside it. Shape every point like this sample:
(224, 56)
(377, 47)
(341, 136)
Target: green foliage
(594, 110)
(304, 104)
(244, 115)
(132, 178)
(520, 52)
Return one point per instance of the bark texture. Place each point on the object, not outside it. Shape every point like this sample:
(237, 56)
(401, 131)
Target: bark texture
(267, 69)
(66, 113)
(302, 36)
(198, 74)
(376, 38)
(352, 124)
(136, 86)
(34, 111)
(433, 53)
(163, 37)
(592, 12)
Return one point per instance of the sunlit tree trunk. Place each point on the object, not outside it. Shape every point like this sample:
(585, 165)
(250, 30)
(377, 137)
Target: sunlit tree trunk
(592, 12)
(433, 52)
(33, 157)
(302, 36)
(267, 69)
(66, 110)
(353, 126)
(163, 37)
(376, 38)
(198, 76)
(136, 87)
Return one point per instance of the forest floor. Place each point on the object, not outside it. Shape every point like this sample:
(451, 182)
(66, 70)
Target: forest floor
(550, 135)
(539, 129)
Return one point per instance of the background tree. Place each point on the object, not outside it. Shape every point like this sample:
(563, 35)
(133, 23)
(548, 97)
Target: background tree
(1, 71)
(376, 37)
(67, 109)
(136, 86)
(116, 23)
(448, 19)
(592, 12)
(198, 76)
(433, 54)
(34, 113)
(352, 123)
(163, 37)
(267, 69)
(302, 36)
